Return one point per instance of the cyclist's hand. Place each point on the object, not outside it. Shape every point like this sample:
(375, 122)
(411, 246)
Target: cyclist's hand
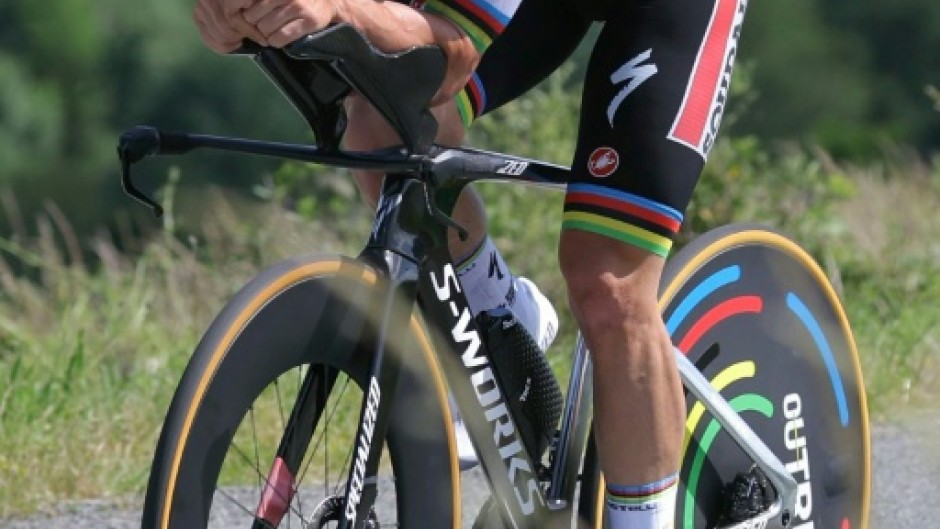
(281, 22)
(222, 33)
(462, 57)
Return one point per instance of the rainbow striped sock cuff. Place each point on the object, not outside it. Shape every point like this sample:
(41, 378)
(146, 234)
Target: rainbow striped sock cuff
(625, 496)
(623, 216)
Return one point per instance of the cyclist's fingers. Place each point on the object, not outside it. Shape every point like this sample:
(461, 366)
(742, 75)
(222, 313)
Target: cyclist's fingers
(210, 14)
(213, 43)
(246, 29)
(233, 7)
(236, 16)
(292, 31)
(218, 37)
(295, 19)
(261, 9)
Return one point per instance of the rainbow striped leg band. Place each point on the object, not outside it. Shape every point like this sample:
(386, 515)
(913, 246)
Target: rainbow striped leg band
(628, 495)
(623, 216)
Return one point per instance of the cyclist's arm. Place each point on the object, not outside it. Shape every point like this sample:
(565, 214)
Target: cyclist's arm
(390, 26)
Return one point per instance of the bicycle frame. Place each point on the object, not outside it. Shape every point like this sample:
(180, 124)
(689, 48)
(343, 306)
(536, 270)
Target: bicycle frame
(408, 245)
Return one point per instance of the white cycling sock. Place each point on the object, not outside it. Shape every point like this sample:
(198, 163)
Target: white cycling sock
(486, 279)
(649, 506)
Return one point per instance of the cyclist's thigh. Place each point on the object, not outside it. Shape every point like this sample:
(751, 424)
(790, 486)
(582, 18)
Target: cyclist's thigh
(655, 89)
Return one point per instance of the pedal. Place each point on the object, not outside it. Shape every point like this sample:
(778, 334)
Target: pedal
(746, 498)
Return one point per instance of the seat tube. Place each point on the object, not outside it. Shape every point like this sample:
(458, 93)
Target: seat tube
(572, 436)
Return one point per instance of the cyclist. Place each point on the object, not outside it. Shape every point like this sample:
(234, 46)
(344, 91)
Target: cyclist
(654, 93)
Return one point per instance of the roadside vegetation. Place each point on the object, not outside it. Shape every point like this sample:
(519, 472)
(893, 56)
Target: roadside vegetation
(90, 354)
(97, 324)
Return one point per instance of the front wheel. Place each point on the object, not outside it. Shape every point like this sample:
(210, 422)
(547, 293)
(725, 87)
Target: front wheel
(237, 450)
(758, 317)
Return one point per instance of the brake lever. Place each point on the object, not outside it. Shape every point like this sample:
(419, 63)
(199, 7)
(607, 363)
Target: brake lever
(133, 146)
(439, 215)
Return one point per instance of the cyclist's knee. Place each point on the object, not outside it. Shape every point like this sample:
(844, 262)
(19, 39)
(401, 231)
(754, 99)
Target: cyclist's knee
(611, 285)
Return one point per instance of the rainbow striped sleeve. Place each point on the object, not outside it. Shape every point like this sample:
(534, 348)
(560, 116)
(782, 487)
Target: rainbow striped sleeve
(471, 101)
(623, 216)
(482, 20)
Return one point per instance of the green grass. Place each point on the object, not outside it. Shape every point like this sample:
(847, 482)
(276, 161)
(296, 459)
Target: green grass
(89, 357)
(888, 266)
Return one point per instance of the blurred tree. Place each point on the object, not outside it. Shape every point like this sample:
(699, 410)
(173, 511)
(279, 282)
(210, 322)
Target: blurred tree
(902, 39)
(845, 75)
(809, 79)
(74, 74)
(30, 112)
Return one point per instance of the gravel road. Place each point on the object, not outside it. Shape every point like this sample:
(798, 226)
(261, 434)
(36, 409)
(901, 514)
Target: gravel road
(906, 483)
(906, 466)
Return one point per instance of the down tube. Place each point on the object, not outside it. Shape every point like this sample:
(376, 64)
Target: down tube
(510, 472)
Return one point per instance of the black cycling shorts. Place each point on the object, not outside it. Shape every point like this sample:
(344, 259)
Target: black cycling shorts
(656, 85)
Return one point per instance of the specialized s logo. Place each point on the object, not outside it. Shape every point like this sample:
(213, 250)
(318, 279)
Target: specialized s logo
(636, 73)
(364, 446)
(706, 94)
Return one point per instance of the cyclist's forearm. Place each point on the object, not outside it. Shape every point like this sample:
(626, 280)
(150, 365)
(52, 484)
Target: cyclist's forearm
(389, 26)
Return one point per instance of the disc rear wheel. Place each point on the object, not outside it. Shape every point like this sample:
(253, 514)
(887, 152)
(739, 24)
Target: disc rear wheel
(760, 320)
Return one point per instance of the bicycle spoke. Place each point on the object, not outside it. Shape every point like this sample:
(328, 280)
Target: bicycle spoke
(235, 502)
(344, 469)
(322, 436)
(280, 405)
(264, 478)
(297, 497)
(333, 478)
(254, 434)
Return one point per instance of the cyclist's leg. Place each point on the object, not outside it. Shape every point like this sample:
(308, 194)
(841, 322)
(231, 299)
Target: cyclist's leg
(367, 130)
(539, 37)
(488, 282)
(639, 154)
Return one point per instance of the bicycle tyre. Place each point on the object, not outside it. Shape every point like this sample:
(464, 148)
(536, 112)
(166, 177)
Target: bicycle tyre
(761, 321)
(289, 316)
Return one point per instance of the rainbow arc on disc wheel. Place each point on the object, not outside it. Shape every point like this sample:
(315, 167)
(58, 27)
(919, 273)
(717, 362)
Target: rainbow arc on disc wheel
(759, 319)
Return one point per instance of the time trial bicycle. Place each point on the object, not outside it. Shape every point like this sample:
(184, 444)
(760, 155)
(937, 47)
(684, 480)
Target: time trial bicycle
(319, 396)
